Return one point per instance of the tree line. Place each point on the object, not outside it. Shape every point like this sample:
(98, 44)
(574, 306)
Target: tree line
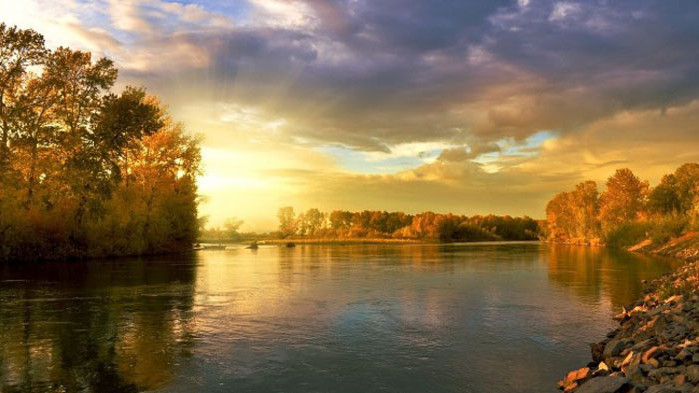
(85, 171)
(340, 224)
(628, 210)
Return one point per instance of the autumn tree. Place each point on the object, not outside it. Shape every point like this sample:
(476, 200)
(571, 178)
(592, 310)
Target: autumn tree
(687, 186)
(624, 199)
(559, 217)
(287, 221)
(585, 208)
(314, 221)
(20, 50)
(83, 170)
(664, 198)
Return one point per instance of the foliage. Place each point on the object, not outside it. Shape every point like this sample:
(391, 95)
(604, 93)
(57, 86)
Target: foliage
(623, 201)
(398, 225)
(628, 211)
(288, 225)
(627, 234)
(574, 215)
(85, 171)
(664, 228)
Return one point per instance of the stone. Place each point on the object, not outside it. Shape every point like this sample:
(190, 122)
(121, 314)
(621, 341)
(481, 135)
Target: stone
(662, 388)
(613, 348)
(575, 378)
(693, 373)
(603, 385)
(672, 299)
(649, 354)
(646, 368)
(684, 354)
(680, 380)
(597, 349)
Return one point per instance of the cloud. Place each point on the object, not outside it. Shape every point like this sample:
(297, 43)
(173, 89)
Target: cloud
(442, 93)
(474, 150)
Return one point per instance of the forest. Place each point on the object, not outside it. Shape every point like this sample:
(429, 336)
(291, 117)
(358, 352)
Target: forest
(86, 171)
(628, 211)
(367, 224)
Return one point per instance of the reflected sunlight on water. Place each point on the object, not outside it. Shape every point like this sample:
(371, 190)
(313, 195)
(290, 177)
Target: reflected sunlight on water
(409, 318)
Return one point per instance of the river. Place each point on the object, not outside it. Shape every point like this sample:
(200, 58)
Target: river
(485, 318)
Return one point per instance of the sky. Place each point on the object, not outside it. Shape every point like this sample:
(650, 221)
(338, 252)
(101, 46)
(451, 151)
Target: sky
(464, 106)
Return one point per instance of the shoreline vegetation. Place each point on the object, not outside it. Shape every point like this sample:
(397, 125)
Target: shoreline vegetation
(628, 212)
(86, 172)
(314, 226)
(655, 349)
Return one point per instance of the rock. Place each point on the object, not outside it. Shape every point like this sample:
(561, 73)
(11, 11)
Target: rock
(655, 348)
(663, 388)
(602, 370)
(674, 299)
(680, 380)
(613, 348)
(575, 378)
(693, 373)
(603, 385)
(649, 354)
(597, 349)
(684, 354)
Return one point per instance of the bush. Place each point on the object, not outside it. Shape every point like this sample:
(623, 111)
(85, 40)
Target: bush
(628, 234)
(471, 233)
(667, 227)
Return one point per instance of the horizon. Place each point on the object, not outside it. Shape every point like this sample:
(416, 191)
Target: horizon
(460, 108)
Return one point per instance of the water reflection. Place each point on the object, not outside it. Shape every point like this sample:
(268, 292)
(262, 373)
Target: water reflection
(95, 327)
(411, 318)
(597, 274)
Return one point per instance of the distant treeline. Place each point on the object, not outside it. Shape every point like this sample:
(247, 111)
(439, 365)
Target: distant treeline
(628, 210)
(397, 225)
(85, 171)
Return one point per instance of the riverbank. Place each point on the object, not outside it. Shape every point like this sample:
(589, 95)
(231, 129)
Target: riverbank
(655, 349)
(347, 241)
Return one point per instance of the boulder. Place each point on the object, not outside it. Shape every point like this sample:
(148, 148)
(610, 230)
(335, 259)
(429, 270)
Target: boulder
(575, 378)
(613, 348)
(603, 385)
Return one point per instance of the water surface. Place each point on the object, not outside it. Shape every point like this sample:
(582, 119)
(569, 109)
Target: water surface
(484, 318)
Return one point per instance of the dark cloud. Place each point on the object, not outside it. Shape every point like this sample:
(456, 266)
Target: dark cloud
(370, 74)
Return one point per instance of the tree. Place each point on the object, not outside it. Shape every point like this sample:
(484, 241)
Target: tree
(231, 226)
(340, 220)
(585, 209)
(664, 199)
(287, 221)
(84, 171)
(21, 49)
(624, 199)
(687, 186)
(559, 217)
(314, 221)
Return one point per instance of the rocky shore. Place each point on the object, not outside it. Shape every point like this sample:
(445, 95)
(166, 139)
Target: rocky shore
(655, 349)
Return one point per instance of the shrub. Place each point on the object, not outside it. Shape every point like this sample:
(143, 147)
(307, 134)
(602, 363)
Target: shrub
(628, 234)
(667, 227)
